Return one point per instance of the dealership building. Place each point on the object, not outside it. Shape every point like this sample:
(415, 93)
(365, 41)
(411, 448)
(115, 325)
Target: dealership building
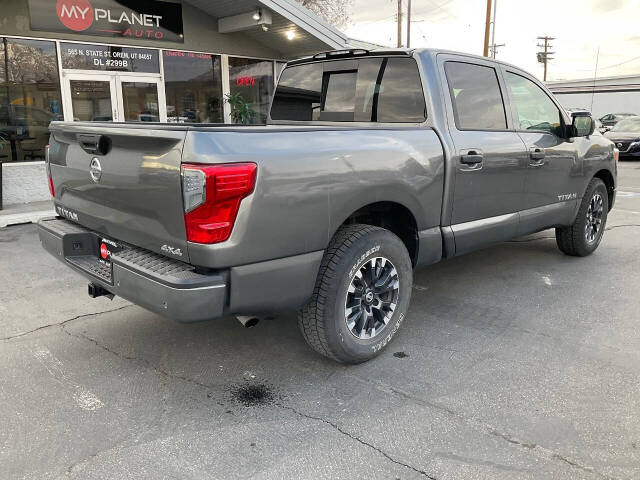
(140, 61)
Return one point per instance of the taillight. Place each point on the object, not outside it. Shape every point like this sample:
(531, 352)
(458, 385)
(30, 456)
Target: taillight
(52, 190)
(616, 154)
(212, 196)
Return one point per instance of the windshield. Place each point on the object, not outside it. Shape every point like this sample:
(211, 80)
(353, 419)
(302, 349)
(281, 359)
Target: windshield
(629, 125)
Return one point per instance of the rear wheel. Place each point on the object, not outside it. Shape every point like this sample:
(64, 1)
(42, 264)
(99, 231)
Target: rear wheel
(361, 295)
(584, 235)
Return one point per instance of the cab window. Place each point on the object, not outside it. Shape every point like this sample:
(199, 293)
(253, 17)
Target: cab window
(535, 110)
(476, 97)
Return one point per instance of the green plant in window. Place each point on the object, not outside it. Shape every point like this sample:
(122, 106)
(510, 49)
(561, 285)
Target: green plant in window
(241, 111)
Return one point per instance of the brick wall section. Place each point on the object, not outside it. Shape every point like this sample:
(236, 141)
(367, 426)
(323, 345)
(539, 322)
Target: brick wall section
(24, 183)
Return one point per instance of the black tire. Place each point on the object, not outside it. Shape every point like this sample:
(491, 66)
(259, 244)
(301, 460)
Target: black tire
(323, 321)
(574, 240)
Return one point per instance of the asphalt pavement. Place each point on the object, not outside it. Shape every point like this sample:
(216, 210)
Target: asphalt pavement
(515, 362)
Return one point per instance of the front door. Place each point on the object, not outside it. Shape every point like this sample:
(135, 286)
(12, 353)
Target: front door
(490, 161)
(111, 96)
(554, 173)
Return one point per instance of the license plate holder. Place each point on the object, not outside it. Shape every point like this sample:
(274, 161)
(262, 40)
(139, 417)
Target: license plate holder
(106, 248)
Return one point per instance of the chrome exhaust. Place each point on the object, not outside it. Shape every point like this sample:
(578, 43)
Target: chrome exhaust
(248, 321)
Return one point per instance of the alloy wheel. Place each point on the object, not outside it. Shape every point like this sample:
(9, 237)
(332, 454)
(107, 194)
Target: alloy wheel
(371, 298)
(595, 212)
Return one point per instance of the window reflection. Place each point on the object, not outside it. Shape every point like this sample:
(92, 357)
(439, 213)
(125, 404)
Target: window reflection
(253, 80)
(369, 90)
(535, 109)
(476, 96)
(29, 97)
(193, 87)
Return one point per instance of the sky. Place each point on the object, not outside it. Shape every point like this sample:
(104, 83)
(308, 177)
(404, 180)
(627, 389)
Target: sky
(581, 28)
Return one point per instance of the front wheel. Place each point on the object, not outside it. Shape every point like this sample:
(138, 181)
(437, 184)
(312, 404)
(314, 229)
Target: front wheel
(584, 235)
(361, 295)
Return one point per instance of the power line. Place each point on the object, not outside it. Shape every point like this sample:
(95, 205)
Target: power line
(612, 66)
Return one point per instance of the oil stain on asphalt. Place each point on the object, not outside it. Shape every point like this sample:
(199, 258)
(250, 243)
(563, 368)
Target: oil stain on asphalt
(253, 395)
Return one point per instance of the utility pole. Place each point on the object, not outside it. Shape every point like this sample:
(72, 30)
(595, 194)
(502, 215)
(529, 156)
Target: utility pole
(399, 23)
(487, 28)
(545, 55)
(408, 23)
(494, 48)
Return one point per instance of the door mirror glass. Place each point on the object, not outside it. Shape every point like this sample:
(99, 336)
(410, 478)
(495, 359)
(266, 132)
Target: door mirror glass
(582, 124)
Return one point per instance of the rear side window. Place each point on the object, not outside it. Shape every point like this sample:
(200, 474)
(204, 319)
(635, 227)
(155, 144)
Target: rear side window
(401, 98)
(476, 97)
(364, 90)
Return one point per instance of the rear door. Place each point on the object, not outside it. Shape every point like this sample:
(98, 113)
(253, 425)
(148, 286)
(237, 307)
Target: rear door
(122, 181)
(489, 157)
(554, 170)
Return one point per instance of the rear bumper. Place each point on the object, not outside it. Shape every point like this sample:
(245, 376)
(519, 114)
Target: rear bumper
(160, 284)
(176, 289)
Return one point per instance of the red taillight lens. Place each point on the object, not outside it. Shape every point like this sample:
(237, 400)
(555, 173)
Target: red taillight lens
(212, 196)
(52, 190)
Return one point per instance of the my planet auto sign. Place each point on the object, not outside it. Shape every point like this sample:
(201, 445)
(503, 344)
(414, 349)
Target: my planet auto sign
(145, 19)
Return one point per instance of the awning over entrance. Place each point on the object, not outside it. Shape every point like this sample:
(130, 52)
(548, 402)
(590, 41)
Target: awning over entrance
(294, 30)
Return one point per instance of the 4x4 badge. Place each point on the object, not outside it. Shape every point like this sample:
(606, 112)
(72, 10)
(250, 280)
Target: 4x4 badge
(95, 169)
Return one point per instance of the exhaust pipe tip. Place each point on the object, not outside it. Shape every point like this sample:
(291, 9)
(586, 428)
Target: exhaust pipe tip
(248, 321)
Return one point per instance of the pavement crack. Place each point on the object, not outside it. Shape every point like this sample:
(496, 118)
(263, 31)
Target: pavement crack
(61, 324)
(357, 439)
(487, 428)
(142, 361)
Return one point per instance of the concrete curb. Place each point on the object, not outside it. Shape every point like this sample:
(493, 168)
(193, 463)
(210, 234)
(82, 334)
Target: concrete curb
(25, 217)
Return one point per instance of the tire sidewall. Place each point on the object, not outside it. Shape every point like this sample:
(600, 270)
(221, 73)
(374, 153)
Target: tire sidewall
(379, 243)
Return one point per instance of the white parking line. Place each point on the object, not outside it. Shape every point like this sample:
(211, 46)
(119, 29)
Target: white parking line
(85, 399)
(627, 194)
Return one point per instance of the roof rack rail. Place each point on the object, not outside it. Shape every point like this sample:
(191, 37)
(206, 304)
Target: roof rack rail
(346, 53)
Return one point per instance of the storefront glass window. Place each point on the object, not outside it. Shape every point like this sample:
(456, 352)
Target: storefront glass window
(253, 80)
(193, 87)
(29, 97)
(140, 102)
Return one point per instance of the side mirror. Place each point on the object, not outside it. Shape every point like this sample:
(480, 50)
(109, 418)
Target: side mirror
(582, 125)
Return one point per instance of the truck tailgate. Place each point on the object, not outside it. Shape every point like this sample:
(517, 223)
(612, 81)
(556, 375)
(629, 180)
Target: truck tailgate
(122, 181)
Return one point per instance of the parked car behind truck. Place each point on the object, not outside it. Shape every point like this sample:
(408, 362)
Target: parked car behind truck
(373, 164)
(626, 137)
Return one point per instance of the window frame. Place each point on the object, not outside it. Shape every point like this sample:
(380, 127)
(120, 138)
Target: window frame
(501, 86)
(514, 111)
(360, 124)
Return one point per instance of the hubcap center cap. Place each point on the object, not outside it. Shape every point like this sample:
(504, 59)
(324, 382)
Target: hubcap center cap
(368, 296)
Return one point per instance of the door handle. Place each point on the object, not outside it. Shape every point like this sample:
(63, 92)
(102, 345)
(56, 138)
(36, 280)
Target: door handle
(537, 154)
(472, 157)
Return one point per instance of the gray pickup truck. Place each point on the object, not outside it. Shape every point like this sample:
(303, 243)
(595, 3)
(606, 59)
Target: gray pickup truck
(372, 164)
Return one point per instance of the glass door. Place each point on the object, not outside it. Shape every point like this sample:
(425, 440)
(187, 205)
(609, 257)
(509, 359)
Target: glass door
(90, 98)
(111, 96)
(140, 99)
